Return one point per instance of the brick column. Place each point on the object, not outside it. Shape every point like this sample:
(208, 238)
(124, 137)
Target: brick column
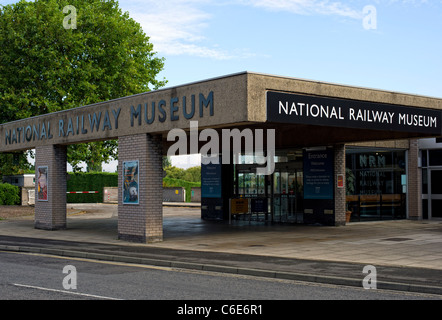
(414, 192)
(50, 205)
(340, 204)
(143, 221)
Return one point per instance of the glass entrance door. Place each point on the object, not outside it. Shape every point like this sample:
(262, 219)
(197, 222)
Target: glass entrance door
(255, 187)
(276, 197)
(281, 192)
(296, 196)
(287, 195)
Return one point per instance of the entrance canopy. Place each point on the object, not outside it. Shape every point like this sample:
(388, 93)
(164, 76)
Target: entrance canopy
(303, 112)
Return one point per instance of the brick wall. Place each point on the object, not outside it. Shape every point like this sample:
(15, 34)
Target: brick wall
(414, 194)
(51, 214)
(142, 222)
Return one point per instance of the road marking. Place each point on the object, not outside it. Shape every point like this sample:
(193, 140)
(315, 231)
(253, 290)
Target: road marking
(214, 273)
(91, 260)
(64, 291)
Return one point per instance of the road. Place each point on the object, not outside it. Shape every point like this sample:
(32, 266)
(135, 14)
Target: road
(40, 277)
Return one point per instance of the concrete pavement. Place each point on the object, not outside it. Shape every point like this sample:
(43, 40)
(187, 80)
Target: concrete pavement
(407, 254)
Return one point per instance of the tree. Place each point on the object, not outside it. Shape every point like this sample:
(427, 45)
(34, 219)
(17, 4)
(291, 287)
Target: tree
(193, 174)
(166, 162)
(174, 172)
(14, 163)
(46, 65)
(95, 153)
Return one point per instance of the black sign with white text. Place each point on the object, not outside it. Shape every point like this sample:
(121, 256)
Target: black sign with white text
(302, 109)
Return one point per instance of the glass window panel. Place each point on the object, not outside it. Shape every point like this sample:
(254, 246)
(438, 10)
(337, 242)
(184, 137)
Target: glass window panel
(424, 181)
(247, 183)
(241, 183)
(436, 179)
(436, 208)
(425, 208)
(261, 184)
(424, 158)
(252, 179)
(284, 182)
(376, 177)
(276, 183)
(435, 157)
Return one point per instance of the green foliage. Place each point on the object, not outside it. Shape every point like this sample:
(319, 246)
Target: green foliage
(166, 162)
(14, 163)
(85, 181)
(187, 178)
(46, 68)
(192, 174)
(94, 154)
(174, 172)
(169, 182)
(9, 194)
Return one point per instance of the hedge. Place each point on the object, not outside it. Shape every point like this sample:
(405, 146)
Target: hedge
(89, 181)
(9, 194)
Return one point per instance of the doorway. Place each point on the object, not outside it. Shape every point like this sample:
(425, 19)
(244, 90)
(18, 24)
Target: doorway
(432, 193)
(282, 190)
(287, 194)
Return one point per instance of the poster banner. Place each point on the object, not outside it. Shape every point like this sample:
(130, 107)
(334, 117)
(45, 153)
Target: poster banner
(240, 205)
(42, 183)
(259, 205)
(130, 182)
(211, 180)
(318, 174)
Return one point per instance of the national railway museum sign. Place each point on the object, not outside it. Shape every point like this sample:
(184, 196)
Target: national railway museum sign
(104, 120)
(232, 101)
(303, 109)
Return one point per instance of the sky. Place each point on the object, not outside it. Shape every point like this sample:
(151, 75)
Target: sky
(397, 47)
(392, 45)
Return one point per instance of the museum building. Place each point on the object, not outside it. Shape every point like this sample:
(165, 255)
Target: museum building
(274, 149)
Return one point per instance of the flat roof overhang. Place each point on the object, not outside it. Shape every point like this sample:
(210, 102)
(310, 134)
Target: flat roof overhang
(302, 136)
(234, 101)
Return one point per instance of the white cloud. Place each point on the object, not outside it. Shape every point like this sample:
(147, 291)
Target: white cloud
(186, 161)
(171, 20)
(176, 27)
(306, 7)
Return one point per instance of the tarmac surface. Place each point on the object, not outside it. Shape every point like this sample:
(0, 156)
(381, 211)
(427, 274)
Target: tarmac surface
(407, 254)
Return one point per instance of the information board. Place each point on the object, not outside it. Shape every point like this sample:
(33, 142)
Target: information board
(211, 180)
(318, 174)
